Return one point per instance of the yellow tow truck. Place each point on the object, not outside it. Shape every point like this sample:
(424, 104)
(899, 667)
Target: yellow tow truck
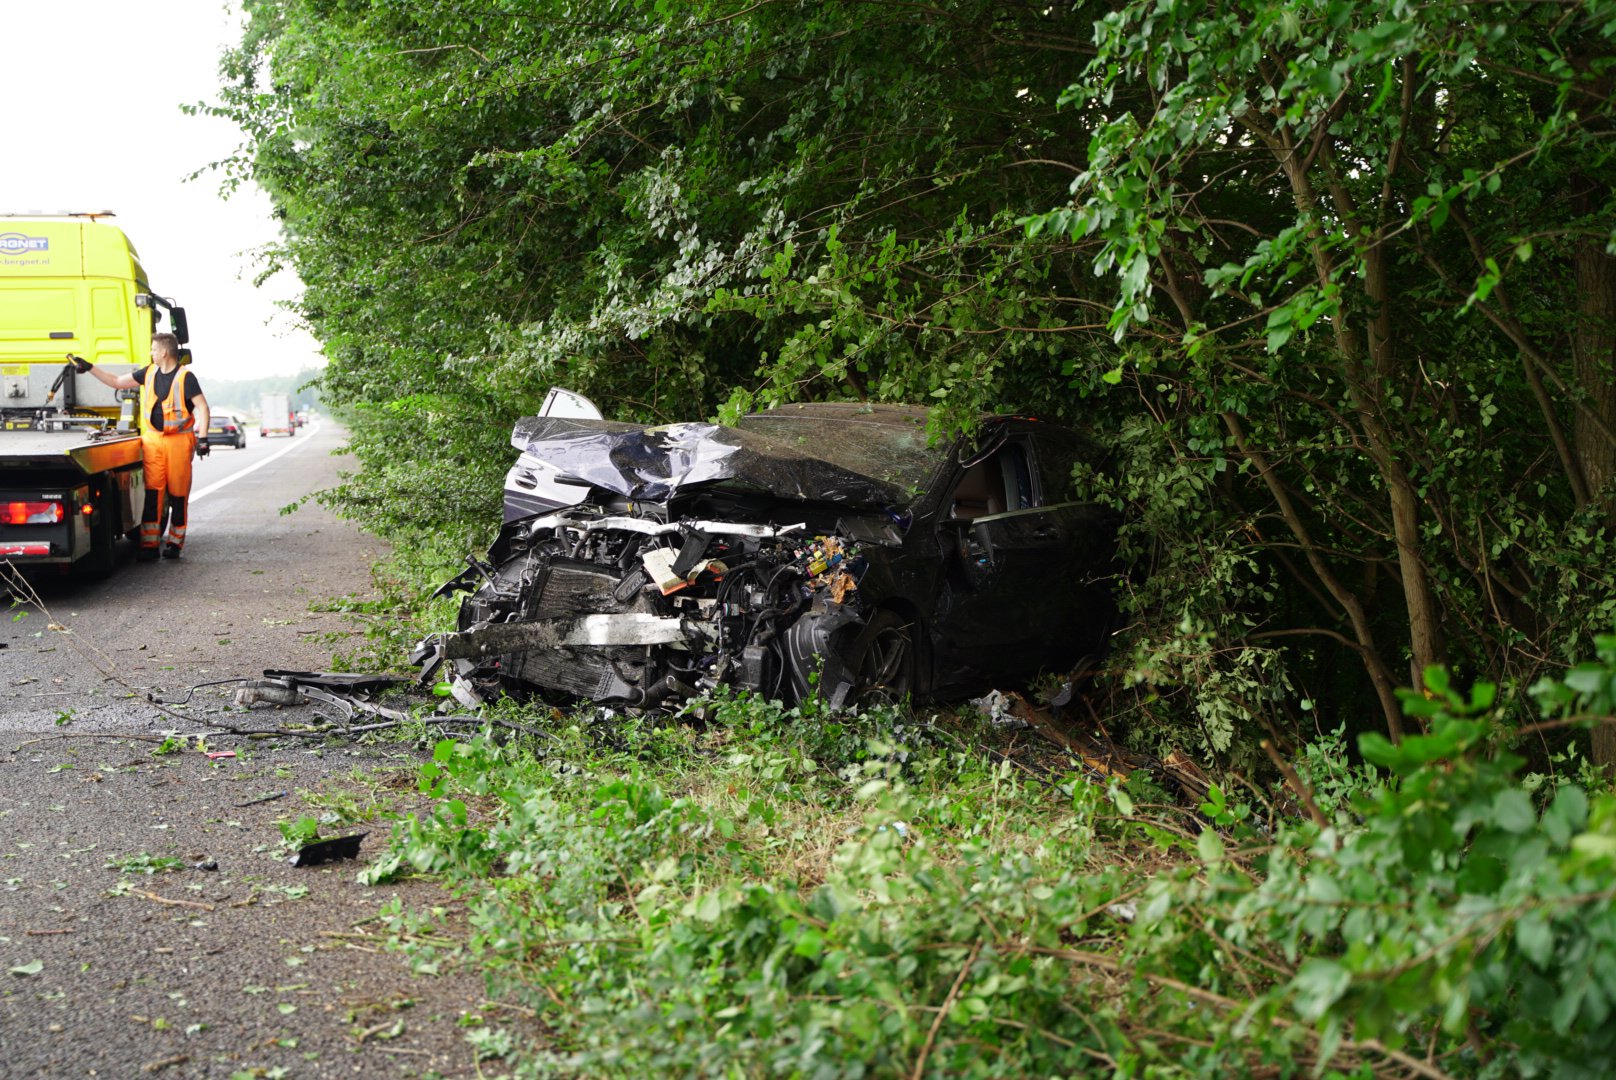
(70, 469)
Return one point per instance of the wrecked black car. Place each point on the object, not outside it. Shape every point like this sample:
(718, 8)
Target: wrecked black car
(824, 549)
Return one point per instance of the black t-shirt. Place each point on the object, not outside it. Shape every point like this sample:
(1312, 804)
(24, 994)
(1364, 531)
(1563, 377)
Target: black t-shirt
(164, 384)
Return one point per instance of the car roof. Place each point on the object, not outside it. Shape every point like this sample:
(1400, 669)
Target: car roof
(880, 413)
(867, 412)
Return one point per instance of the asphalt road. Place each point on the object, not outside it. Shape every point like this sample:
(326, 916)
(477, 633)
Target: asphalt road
(254, 967)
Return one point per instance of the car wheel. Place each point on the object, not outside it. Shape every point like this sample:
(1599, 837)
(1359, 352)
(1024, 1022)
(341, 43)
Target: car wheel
(883, 660)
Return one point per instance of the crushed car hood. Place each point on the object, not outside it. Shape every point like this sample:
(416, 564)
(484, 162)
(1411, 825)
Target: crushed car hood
(652, 463)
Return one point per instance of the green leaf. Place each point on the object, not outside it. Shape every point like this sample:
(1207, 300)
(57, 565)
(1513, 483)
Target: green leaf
(1535, 938)
(1119, 796)
(1566, 815)
(33, 967)
(1318, 984)
(709, 908)
(810, 943)
(1587, 678)
(1595, 846)
(1377, 749)
(1512, 811)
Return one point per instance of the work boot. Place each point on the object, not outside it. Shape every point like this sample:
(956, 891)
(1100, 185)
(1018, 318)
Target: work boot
(171, 551)
(149, 534)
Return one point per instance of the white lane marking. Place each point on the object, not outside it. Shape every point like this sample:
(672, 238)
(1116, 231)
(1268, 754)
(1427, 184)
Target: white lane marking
(292, 444)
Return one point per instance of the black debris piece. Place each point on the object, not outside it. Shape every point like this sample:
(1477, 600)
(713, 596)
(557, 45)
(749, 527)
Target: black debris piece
(262, 799)
(335, 849)
(343, 681)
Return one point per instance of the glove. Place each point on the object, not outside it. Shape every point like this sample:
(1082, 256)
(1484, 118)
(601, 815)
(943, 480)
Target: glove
(81, 365)
(201, 448)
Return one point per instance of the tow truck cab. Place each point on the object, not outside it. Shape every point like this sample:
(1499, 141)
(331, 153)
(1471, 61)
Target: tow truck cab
(70, 463)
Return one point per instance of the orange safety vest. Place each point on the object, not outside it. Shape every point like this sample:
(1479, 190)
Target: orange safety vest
(177, 418)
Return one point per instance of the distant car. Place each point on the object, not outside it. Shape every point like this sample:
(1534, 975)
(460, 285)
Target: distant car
(225, 429)
(829, 549)
(302, 417)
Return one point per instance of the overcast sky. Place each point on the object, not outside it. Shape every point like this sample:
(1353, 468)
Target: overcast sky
(93, 90)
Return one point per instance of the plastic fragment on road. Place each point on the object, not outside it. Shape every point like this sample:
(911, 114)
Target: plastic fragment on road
(263, 799)
(999, 708)
(215, 755)
(332, 850)
(344, 691)
(268, 691)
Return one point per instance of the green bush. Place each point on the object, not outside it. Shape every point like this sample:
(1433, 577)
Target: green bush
(795, 894)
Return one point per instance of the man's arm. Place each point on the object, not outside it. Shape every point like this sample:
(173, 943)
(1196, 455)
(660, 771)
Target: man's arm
(117, 382)
(203, 414)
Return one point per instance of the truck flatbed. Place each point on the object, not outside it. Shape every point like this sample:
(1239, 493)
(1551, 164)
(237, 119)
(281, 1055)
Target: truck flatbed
(72, 446)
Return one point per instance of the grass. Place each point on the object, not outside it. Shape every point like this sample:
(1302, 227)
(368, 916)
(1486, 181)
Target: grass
(621, 859)
(776, 891)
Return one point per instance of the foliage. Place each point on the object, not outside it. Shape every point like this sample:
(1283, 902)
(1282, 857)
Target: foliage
(861, 896)
(172, 743)
(1354, 247)
(144, 863)
(299, 832)
(1334, 278)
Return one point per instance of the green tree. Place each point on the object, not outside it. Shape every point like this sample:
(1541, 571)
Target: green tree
(1334, 278)
(1374, 242)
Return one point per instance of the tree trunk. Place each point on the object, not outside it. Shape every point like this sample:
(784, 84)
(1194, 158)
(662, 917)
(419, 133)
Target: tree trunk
(1594, 358)
(1594, 353)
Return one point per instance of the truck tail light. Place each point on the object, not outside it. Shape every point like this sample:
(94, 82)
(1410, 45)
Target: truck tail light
(31, 513)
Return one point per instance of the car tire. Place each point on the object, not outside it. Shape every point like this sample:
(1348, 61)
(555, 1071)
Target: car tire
(884, 660)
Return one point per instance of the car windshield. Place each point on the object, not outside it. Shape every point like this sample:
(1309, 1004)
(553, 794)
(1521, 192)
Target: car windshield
(885, 445)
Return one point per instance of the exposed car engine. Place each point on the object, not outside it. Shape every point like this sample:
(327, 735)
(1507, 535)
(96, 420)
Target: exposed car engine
(615, 608)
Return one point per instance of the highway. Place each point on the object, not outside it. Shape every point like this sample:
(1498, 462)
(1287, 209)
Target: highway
(236, 603)
(225, 960)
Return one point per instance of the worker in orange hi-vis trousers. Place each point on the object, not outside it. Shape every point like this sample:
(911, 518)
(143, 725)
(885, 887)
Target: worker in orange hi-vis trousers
(173, 413)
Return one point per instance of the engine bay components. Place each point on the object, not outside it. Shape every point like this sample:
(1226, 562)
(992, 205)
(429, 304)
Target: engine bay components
(620, 610)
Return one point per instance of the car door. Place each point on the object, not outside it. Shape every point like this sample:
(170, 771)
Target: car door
(1024, 594)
